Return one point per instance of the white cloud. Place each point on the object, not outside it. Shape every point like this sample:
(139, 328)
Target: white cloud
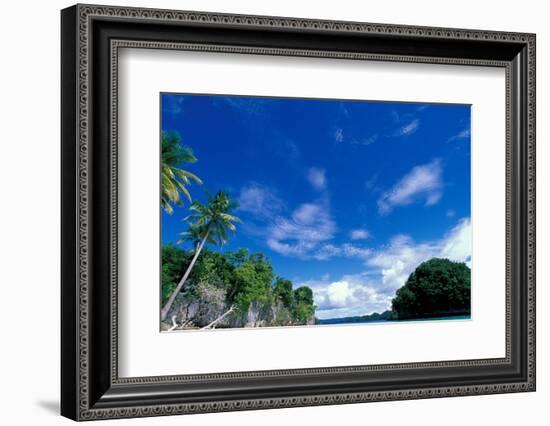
(366, 141)
(340, 294)
(464, 134)
(339, 135)
(457, 245)
(317, 178)
(175, 104)
(349, 250)
(307, 213)
(327, 251)
(359, 234)
(259, 200)
(450, 213)
(307, 234)
(354, 140)
(371, 183)
(308, 227)
(409, 128)
(396, 262)
(422, 182)
(248, 105)
(352, 295)
(297, 248)
(344, 110)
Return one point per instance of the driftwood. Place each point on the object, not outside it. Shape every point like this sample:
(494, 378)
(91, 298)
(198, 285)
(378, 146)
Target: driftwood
(176, 326)
(189, 323)
(174, 323)
(217, 320)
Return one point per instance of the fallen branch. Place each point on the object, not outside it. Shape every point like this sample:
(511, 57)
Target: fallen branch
(174, 323)
(217, 320)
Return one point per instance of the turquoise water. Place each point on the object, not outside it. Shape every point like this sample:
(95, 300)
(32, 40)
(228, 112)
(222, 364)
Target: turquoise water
(359, 321)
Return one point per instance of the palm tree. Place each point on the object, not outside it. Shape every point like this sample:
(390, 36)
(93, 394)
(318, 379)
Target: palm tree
(174, 179)
(209, 223)
(195, 234)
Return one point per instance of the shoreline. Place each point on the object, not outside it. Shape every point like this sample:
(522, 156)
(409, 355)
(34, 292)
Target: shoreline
(327, 322)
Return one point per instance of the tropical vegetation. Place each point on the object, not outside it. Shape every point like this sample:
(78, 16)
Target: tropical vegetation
(234, 288)
(207, 223)
(437, 288)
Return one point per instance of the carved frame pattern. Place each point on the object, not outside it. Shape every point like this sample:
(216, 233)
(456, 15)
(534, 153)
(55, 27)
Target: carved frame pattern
(85, 409)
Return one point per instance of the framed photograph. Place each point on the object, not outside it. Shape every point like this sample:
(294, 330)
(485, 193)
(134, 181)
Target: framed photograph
(263, 212)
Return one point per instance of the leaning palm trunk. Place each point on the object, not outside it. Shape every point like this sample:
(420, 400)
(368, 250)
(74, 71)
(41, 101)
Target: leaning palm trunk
(217, 320)
(166, 308)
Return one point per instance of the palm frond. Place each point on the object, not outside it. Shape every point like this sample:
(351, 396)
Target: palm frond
(212, 219)
(230, 218)
(174, 179)
(184, 174)
(166, 206)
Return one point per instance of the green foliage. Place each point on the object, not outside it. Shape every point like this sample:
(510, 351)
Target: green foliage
(282, 290)
(438, 287)
(253, 280)
(238, 257)
(213, 268)
(174, 262)
(303, 304)
(174, 180)
(303, 295)
(303, 312)
(242, 279)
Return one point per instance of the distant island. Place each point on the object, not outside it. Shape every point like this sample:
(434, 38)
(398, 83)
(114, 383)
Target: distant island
(384, 316)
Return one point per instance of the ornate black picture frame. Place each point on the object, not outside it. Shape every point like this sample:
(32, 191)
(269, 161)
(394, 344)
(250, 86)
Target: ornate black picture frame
(91, 36)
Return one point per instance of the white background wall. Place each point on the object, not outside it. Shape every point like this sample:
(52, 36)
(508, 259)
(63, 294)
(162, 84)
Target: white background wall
(29, 212)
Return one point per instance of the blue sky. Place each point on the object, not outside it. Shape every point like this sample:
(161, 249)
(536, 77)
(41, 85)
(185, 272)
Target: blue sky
(347, 197)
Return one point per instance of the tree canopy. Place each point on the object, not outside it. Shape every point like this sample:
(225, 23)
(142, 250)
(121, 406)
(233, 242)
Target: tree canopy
(282, 290)
(438, 287)
(303, 303)
(246, 280)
